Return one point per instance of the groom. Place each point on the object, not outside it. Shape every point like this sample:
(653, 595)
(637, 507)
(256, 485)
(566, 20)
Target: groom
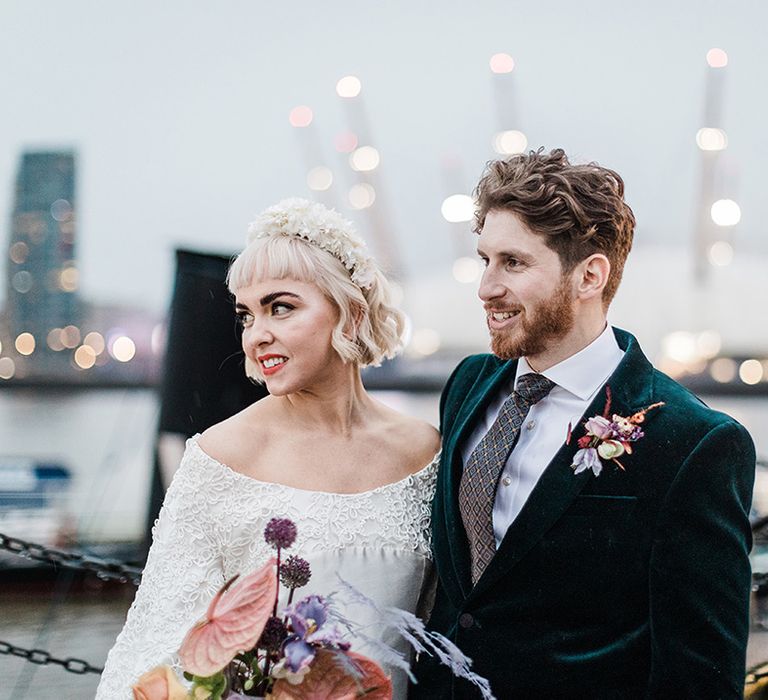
(590, 523)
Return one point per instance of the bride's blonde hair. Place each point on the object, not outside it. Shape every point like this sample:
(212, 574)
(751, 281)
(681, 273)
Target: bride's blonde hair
(308, 249)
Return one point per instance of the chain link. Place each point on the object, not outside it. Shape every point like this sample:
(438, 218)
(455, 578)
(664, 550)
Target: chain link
(43, 658)
(103, 568)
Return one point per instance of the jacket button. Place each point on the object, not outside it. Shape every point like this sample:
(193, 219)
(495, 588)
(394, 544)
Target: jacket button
(466, 620)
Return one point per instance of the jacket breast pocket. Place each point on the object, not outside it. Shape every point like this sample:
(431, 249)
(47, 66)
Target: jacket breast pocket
(601, 506)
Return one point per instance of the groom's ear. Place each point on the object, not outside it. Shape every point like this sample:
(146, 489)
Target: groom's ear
(591, 276)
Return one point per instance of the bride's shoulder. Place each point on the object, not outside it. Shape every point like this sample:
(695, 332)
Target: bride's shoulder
(418, 439)
(230, 440)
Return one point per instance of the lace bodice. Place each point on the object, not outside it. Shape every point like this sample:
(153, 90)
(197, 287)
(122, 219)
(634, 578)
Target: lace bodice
(210, 528)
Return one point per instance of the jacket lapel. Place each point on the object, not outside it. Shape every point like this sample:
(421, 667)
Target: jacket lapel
(558, 486)
(486, 386)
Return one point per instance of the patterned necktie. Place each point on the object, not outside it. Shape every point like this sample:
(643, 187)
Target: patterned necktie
(477, 489)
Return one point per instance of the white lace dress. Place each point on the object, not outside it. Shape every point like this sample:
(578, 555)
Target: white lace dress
(211, 528)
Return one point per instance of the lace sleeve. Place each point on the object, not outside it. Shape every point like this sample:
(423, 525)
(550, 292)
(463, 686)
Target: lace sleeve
(183, 572)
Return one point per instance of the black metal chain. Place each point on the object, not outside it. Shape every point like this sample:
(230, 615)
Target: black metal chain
(44, 658)
(103, 568)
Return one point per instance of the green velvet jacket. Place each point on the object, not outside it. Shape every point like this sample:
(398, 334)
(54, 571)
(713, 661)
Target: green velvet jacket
(633, 584)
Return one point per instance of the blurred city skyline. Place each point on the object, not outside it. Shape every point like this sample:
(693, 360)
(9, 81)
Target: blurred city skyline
(179, 115)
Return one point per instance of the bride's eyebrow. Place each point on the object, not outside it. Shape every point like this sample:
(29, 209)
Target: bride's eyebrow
(269, 298)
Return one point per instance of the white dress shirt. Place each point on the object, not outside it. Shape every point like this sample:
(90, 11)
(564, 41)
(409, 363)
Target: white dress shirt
(577, 380)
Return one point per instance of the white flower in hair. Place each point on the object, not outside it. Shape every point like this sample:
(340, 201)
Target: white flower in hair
(323, 227)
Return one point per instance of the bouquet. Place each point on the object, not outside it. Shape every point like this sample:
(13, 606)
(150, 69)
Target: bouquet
(246, 647)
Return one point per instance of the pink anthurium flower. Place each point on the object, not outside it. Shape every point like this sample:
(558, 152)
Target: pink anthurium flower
(234, 622)
(328, 678)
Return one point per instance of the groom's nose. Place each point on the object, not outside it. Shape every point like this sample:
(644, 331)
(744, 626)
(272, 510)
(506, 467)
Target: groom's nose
(490, 286)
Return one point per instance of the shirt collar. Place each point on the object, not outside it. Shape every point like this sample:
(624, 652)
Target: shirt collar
(585, 372)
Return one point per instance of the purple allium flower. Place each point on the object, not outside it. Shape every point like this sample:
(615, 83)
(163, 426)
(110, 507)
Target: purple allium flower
(273, 636)
(280, 533)
(295, 572)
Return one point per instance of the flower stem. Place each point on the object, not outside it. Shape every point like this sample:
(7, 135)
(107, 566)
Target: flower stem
(277, 588)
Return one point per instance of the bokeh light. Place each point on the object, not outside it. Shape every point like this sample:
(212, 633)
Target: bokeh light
(22, 281)
(70, 337)
(458, 208)
(680, 346)
(320, 178)
(25, 343)
(95, 341)
(717, 58)
(723, 370)
(54, 340)
(345, 142)
(708, 344)
(300, 116)
(708, 139)
(502, 63)
(510, 142)
(7, 368)
(157, 338)
(751, 371)
(720, 253)
(425, 341)
(123, 349)
(467, 270)
(725, 212)
(362, 195)
(61, 210)
(85, 357)
(348, 86)
(18, 252)
(364, 159)
(69, 279)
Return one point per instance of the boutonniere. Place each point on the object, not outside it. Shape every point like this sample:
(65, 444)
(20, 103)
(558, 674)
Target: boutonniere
(608, 438)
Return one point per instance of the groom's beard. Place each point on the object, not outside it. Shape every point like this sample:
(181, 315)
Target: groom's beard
(539, 327)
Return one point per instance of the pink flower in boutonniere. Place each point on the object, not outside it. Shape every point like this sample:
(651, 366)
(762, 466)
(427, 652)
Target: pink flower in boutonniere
(608, 438)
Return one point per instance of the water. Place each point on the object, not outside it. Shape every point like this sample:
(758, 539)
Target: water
(107, 438)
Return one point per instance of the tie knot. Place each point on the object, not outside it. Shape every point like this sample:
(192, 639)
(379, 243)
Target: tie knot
(533, 387)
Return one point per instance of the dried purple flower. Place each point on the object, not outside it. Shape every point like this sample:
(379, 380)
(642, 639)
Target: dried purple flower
(280, 533)
(273, 636)
(295, 572)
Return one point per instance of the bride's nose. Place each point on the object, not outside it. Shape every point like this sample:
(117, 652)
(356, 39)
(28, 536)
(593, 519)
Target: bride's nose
(258, 334)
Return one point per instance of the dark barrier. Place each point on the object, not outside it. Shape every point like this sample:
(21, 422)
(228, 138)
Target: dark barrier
(203, 380)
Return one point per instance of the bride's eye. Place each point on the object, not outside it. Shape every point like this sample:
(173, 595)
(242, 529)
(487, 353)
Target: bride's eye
(244, 318)
(280, 309)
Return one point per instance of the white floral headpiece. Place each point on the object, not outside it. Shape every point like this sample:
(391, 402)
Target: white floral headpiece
(323, 227)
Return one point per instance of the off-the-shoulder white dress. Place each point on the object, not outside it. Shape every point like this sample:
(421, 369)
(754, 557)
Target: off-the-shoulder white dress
(211, 528)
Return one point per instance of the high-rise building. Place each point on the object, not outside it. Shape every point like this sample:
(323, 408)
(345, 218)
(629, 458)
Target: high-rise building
(42, 278)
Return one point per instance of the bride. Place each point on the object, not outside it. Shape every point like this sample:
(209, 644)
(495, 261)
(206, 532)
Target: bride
(354, 475)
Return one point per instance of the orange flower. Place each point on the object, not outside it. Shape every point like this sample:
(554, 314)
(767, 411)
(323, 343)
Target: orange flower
(160, 683)
(234, 622)
(329, 679)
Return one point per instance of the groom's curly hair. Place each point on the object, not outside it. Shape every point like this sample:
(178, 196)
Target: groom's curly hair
(579, 209)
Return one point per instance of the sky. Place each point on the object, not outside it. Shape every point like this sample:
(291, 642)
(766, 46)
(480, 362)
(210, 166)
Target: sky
(179, 111)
